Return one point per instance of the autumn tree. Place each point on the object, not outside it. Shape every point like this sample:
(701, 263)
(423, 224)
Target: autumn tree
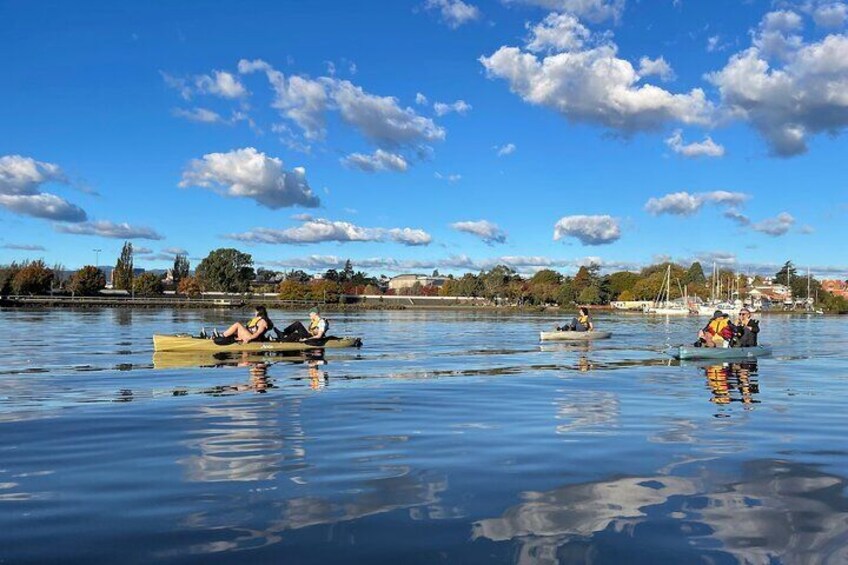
(148, 284)
(88, 281)
(33, 278)
(190, 286)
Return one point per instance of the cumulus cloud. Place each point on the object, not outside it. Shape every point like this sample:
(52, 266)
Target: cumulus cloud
(832, 15)
(378, 161)
(23, 247)
(200, 115)
(420, 99)
(593, 85)
(319, 230)
(489, 232)
(787, 89)
(219, 83)
(556, 33)
(738, 217)
(594, 11)
(658, 67)
(686, 204)
(505, 150)
(460, 107)
(21, 179)
(776, 226)
(43, 205)
(706, 148)
(454, 13)
(590, 230)
(109, 229)
(248, 173)
(380, 119)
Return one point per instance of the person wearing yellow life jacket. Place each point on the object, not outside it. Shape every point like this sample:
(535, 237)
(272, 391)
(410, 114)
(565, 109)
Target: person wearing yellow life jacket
(718, 331)
(253, 330)
(318, 328)
(581, 323)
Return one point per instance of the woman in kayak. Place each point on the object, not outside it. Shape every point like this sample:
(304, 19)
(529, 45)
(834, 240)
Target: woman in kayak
(254, 330)
(582, 323)
(317, 329)
(717, 332)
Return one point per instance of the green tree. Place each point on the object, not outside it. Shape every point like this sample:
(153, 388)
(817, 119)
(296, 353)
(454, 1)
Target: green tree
(589, 295)
(695, 274)
(180, 270)
(469, 285)
(621, 281)
(88, 281)
(33, 278)
(496, 281)
(566, 295)
(122, 276)
(226, 270)
(148, 284)
(7, 275)
(347, 272)
(298, 275)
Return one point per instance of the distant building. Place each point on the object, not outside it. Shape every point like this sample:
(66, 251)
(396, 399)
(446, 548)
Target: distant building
(402, 282)
(835, 287)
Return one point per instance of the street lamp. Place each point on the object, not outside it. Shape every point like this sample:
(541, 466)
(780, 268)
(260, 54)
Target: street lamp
(97, 256)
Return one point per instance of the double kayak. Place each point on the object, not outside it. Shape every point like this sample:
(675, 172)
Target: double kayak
(573, 336)
(188, 343)
(684, 352)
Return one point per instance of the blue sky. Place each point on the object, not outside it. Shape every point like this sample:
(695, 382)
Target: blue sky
(426, 134)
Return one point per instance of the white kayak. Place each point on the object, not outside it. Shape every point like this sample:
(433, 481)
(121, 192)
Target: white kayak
(573, 336)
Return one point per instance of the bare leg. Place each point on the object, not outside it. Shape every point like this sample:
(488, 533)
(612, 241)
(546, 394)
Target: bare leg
(238, 330)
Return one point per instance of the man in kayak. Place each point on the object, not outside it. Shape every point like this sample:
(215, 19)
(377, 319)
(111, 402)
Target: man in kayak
(745, 330)
(317, 329)
(254, 330)
(582, 323)
(717, 333)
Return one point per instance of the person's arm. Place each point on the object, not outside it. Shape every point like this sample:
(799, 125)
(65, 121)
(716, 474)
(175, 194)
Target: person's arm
(591, 325)
(320, 330)
(261, 328)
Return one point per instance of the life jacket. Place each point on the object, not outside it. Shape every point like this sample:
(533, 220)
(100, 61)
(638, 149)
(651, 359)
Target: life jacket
(584, 320)
(254, 322)
(720, 327)
(313, 325)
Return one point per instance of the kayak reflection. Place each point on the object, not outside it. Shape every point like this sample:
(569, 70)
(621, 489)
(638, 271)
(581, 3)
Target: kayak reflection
(733, 382)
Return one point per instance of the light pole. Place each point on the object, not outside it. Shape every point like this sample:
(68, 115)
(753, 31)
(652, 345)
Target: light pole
(97, 256)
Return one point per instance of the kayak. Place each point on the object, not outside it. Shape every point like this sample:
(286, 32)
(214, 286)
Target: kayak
(689, 352)
(572, 336)
(187, 359)
(184, 342)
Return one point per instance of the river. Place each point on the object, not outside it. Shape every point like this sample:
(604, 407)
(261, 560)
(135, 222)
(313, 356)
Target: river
(448, 437)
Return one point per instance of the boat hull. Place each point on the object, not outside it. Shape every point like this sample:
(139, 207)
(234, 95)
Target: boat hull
(573, 336)
(187, 343)
(684, 352)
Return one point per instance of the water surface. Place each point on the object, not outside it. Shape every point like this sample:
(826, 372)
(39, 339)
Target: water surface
(449, 437)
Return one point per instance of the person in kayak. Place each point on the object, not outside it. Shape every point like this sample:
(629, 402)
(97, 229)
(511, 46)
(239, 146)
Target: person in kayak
(317, 329)
(745, 330)
(254, 330)
(717, 333)
(581, 323)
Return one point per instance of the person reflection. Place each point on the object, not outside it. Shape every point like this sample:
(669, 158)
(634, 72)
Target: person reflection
(733, 382)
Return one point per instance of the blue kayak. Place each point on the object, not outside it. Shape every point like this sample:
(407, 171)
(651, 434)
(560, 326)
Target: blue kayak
(720, 353)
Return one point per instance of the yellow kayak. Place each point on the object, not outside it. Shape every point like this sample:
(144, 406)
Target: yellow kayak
(186, 343)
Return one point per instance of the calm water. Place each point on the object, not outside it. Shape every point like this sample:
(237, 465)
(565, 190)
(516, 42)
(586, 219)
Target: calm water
(449, 437)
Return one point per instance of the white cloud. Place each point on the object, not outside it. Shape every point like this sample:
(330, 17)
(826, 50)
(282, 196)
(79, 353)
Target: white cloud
(714, 44)
(420, 99)
(380, 119)
(706, 148)
(776, 226)
(590, 230)
(736, 216)
(686, 204)
(505, 150)
(833, 15)
(109, 229)
(43, 205)
(557, 33)
(594, 85)
(656, 67)
(23, 247)
(219, 83)
(461, 107)
(489, 232)
(248, 173)
(805, 93)
(318, 230)
(451, 178)
(21, 179)
(201, 115)
(378, 161)
(454, 13)
(592, 10)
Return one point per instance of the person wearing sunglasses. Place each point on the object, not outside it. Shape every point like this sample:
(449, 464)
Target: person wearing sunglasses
(746, 329)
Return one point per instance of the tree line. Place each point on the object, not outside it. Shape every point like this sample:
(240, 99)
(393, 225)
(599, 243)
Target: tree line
(230, 270)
